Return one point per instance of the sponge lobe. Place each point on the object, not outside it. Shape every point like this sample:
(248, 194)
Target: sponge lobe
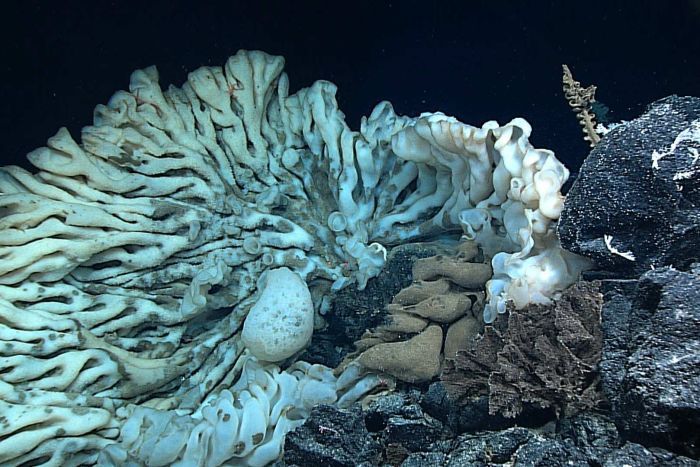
(282, 321)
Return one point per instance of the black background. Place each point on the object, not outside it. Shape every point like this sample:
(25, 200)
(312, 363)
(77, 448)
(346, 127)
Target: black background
(476, 60)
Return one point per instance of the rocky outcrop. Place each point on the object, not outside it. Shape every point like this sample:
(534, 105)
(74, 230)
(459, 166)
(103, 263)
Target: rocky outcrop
(651, 359)
(395, 430)
(636, 202)
(332, 437)
(635, 210)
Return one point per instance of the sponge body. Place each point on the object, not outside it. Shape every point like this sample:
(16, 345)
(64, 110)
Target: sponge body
(282, 321)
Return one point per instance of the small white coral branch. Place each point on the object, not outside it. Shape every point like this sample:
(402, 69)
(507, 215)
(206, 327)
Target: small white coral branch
(628, 255)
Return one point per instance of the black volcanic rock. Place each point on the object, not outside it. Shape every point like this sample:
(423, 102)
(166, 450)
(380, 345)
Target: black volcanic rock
(394, 431)
(641, 186)
(651, 359)
(331, 437)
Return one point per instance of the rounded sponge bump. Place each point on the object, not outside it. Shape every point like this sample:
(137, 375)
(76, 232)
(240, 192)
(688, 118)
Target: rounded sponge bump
(281, 321)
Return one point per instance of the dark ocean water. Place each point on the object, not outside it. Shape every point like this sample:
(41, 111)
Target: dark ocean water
(476, 60)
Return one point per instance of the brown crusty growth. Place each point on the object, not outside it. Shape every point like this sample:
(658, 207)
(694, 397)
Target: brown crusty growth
(547, 356)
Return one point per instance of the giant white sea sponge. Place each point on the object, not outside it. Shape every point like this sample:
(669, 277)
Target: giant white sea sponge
(130, 259)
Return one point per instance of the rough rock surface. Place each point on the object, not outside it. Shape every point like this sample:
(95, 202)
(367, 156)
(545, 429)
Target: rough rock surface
(396, 431)
(641, 186)
(471, 416)
(651, 359)
(332, 437)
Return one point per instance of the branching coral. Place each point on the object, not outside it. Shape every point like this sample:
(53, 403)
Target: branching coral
(581, 101)
(129, 261)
